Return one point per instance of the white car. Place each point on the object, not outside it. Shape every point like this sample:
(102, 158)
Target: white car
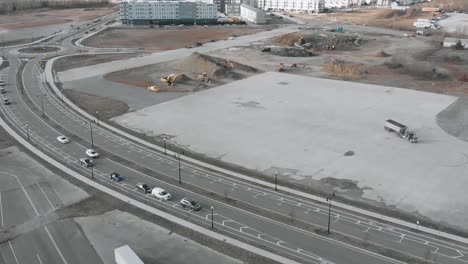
(63, 139)
(160, 194)
(91, 153)
(2, 83)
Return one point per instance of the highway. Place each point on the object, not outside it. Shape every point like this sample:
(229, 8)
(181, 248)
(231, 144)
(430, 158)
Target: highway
(279, 222)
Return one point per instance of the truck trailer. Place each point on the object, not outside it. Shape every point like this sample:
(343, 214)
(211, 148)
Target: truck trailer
(125, 255)
(401, 130)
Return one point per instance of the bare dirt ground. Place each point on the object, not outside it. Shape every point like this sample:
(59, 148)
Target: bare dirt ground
(107, 107)
(165, 38)
(411, 63)
(386, 18)
(216, 72)
(44, 17)
(72, 62)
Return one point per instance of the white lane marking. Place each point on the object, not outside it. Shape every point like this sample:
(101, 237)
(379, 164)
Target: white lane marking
(1, 207)
(47, 198)
(12, 251)
(55, 245)
(39, 258)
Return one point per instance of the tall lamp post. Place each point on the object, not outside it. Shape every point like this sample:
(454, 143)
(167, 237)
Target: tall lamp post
(27, 131)
(276, 180)
(97, 118)
(329, 200)
(180, 175)
(212, 220)
(91, 132)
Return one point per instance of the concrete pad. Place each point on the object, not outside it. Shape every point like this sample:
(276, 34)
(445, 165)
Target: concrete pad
(152, 243)
(302, 126)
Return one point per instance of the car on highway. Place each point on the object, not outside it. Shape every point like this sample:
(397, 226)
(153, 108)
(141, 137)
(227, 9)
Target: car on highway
(2, 90)
(161, 194)
(2, 83)
(191, 204)
(63, 139)
(114, 176)
(85, 162)
(143, 187)
(6, 101)
(92, 153)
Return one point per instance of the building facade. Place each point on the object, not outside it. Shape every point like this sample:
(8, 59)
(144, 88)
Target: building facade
(232, 10)
(150, 12)
(292, 6)
(252, 14)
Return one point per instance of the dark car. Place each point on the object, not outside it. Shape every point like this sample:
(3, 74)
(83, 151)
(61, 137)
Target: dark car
(192, 205)
(114, 176)
(6, 101)
(86, 162)
(143, 187)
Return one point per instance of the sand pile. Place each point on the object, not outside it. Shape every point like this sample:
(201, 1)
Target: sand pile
(342, 69)
(322, 41)
(453, 119)
(288, 39)
(215, 68)
(382, 54)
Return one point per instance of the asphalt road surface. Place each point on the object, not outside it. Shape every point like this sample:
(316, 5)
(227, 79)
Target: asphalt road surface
(141, 164)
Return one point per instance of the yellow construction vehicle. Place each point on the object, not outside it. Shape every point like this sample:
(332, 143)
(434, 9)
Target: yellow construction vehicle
(170, 79)
(203, 77)
(280, 67)
(154, 89)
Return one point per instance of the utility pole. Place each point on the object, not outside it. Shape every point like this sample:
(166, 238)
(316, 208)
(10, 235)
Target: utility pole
(329, 200)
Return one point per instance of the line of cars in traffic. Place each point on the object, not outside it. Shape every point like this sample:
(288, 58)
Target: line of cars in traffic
(156, 192)
(5, 100)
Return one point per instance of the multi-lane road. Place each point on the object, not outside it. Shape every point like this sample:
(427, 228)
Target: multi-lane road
(276, 221)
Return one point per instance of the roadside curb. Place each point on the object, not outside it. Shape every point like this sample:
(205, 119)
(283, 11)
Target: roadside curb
(50, 79)
(152, 210)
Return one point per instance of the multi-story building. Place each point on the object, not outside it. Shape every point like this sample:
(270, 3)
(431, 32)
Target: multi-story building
(252, 14)
(151, 12)
(292, 6)
(232, 10)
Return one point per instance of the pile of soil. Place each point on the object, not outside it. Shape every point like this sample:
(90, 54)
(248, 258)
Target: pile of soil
(293, 52)
(322, 41)
(342, 69)
(215, 68)
(382, 54)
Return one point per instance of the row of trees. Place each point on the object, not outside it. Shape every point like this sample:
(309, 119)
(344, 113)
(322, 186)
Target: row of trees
(13, 5)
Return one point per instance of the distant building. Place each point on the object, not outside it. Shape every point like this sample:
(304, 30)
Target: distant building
(232, 10)
(151, 12)
(252, 14)
(451, 42)
(292, 6)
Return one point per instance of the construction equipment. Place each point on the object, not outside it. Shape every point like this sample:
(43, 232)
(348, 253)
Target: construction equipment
(170, 79)
(401, 130)
(280, 67)
(203, 77)
(154, 89)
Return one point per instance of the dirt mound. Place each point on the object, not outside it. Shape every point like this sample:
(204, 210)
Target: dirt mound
(216, 68)
(342, 69)
(293, 52)
(288, 39)
(382, 54)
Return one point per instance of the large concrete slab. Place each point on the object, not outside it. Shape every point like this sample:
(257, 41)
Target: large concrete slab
(302, 126)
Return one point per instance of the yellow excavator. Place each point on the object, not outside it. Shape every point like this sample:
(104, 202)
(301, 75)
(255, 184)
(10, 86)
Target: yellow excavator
(154, 89)
(170, 79)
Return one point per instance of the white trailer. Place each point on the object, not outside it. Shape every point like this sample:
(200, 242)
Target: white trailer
(125, 255)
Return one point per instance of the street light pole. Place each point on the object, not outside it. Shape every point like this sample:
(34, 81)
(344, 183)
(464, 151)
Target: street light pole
(92, 172)
(212, 219)
(164, 146)
(329, 200)
(27, 131)
(180, 175)
(91, 131)
(276, 180)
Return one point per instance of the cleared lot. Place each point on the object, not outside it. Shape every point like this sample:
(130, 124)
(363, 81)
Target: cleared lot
(303, 127)
(165, 38)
